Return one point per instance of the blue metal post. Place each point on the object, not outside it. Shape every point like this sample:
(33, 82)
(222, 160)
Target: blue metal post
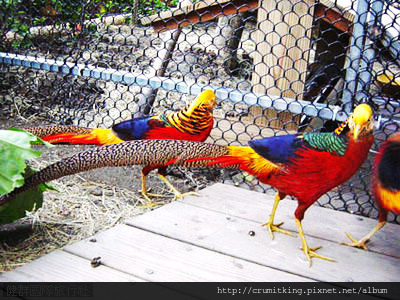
(368, 55)
(357, 42)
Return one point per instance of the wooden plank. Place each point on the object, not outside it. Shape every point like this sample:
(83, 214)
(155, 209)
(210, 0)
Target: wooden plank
(340, 7)
(158, 258)
(319, 222)
(201, 11)
(208, 10)
(183, 8)
(230, 235)
(62, 266)
(280, 63)
(342, 20)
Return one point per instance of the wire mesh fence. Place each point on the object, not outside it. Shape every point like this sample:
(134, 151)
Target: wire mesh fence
(279, 66)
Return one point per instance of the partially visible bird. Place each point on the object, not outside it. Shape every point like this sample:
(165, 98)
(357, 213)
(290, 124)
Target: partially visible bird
(304, 166)
(385, 186)
(194, 123)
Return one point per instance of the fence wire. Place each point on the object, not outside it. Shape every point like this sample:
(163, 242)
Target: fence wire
(278, 67)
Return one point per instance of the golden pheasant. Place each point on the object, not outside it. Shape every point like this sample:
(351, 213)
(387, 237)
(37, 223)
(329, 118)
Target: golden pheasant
(385, 185)
(304, 166)
(194, 123)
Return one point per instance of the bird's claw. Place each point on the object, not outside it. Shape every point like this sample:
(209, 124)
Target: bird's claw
(179, 195)
(150, 203)
(311, 252)
(355, 243)
(146, 194)
(275, 227)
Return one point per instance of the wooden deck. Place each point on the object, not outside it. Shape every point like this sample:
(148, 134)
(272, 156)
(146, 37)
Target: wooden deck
(207, 238)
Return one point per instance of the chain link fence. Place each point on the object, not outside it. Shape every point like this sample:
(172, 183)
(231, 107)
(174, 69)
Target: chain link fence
(278, 66)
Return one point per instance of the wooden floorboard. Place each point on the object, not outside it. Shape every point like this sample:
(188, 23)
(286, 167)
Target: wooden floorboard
(319, 222)
(207, 238)
(157, 258)
(61, 266)
(230, 235)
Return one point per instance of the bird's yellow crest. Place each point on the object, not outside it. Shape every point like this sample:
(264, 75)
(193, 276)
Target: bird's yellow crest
(361, 120)
(196, 117)
(207, 97)
(362, 114)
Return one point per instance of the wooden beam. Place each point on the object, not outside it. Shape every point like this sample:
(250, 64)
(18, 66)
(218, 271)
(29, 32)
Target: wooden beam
(207, 10)
(202, 11)
(338, 19)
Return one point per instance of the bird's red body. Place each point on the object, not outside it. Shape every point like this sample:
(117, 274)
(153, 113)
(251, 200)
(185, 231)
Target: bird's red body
(171, 133)
(313, 173)
(306, 175)
(385, 188)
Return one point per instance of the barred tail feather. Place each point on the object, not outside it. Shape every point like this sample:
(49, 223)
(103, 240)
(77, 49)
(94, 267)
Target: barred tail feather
(137, 152)
(46, 131)
(72, 138)
(75, 135)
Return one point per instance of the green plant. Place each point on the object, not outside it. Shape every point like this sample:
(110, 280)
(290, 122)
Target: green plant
(15, 149)
(19, 16)
(13, 18)
(151, 7)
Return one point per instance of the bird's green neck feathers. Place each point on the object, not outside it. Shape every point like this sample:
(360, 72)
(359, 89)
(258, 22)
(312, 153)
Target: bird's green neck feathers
(327, 141)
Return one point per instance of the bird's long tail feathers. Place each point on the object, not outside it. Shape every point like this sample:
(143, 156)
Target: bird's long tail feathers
(74, 135)
(138, 152)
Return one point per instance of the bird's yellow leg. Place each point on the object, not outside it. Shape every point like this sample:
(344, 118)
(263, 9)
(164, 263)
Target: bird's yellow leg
(270, 224)
(146, 194)
(309, 252)
(177, 193)
(362, 242)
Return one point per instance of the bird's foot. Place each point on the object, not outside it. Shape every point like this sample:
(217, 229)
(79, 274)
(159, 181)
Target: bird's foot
(276, 227)
(311, 252)
(147, 195)
(355, 243)
(179, 195)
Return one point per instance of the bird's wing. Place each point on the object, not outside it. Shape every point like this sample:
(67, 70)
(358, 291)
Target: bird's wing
(281, 149)
(277, 149)
(136, 129)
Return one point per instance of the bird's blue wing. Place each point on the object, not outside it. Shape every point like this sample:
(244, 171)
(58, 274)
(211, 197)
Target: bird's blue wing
(135, 129)
(278, 149)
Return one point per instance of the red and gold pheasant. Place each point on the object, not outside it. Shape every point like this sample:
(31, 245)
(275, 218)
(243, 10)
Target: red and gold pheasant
(304, 166)
(193, 123)
(385, 185)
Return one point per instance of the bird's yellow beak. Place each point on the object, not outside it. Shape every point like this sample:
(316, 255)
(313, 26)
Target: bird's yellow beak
(357, 131)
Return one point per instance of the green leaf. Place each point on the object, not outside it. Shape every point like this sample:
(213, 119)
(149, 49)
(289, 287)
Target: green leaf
(15, 148)
(27, 201)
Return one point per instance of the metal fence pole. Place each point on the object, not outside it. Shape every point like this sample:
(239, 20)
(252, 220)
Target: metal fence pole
(356, 47)
(368, 55)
